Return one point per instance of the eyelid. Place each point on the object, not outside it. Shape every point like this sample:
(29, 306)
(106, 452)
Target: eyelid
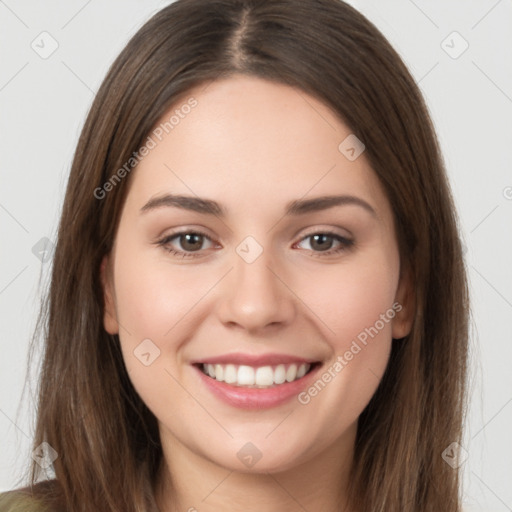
(332, 230)
(169, 234)
(185, 231)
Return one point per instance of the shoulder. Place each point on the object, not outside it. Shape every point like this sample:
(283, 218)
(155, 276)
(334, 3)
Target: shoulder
(30, 499)
(20, 501)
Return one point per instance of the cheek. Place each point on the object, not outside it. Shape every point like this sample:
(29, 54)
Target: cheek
(351, 298)
(156, 305)
(154, 295)
(355, 307)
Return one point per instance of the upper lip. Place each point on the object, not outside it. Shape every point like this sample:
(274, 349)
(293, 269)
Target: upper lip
(254, 360)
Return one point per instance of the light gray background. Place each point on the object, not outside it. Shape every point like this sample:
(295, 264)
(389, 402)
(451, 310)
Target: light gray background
(43, 106)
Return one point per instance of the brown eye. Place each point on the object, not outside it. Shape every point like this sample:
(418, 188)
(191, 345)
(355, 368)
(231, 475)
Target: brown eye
(185, 243)
(191, 241)
(322, 243)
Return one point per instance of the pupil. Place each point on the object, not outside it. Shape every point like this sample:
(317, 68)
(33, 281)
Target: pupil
(191, 239)
(322, 238)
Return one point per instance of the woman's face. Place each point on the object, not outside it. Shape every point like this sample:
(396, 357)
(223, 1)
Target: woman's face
(274, 280)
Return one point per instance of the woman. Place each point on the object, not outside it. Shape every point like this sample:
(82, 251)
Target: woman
(258, 299)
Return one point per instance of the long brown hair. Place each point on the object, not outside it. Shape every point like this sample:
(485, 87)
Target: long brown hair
(107, 440)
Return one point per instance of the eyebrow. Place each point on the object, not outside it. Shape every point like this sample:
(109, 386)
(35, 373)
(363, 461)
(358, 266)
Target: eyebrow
(297, 207)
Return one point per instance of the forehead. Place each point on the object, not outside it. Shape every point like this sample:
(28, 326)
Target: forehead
(247, 139)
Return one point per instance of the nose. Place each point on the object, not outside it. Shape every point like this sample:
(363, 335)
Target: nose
(255, 296)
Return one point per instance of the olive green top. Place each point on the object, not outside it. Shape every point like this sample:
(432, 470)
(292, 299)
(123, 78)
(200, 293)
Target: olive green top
(18, 501)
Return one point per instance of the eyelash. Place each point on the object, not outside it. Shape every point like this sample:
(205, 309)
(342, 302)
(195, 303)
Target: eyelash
(346, 243)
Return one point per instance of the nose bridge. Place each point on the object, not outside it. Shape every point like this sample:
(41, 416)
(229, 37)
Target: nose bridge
(255, 296)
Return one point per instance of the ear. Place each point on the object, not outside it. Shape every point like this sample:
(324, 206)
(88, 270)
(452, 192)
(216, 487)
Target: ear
(109, 314)
(405, 306)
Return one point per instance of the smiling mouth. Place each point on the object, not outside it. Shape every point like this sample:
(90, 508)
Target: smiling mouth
(260, 377)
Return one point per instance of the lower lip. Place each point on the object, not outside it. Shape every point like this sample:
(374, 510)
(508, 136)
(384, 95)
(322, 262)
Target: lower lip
(254, 398)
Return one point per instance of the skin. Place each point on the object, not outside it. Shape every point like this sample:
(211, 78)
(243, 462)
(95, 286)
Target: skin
(253, 146)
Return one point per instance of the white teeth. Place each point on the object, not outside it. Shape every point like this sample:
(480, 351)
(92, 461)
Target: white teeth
(291, 373)
(219, 372)
(264, 376)
(230, 374)
(260, 377)
(280, 373)
(245, 376)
